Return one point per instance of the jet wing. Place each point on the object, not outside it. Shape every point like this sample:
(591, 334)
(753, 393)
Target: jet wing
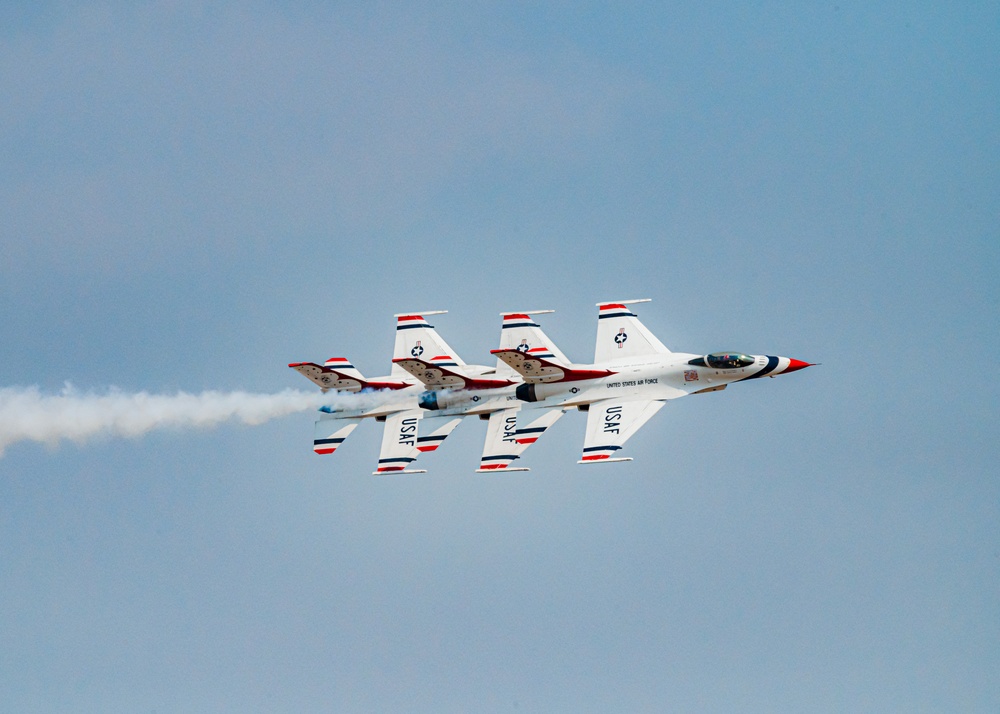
(399, 443)
(505, 442)
(610, 423)
(501, 447)
(330, 433)
(535, 366)
(439, 376)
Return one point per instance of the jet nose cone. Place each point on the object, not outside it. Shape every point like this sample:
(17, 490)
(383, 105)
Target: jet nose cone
(796, 364)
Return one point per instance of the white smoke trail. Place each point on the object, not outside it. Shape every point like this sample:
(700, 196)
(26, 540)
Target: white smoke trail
(26, 414)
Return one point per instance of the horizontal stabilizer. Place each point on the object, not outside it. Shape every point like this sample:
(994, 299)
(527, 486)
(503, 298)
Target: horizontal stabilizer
(326, 378)
(606, 461)
(502, 469)
(536, 365)
(438, 374)
(343, 366)
(342, 377)
(330, 433)
(434, 430)
(383, 472)
(533, 430)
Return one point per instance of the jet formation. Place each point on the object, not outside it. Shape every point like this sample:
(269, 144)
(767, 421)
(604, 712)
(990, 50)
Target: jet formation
(429, 389)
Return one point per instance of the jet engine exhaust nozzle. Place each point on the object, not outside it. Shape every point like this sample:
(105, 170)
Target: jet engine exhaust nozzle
(526, 393)
(428, 400)
(436, 401)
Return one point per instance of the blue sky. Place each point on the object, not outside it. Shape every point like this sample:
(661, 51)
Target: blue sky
(194, 197)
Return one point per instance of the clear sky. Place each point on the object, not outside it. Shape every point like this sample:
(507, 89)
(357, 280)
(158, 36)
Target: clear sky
(192, 197)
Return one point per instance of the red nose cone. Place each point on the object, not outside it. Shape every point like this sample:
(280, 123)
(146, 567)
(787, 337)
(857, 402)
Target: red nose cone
(795, 364)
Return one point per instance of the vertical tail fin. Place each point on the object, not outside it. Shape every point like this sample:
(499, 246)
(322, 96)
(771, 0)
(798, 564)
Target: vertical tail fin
(520, 332)
(621, 335)
(415, 337)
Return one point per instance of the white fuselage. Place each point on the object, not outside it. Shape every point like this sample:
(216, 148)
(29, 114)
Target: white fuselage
(656, 377)
(453, 402)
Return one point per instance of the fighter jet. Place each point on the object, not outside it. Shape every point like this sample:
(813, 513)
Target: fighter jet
(632, 377)
(409, 430)
(427, 394)
(491, 395)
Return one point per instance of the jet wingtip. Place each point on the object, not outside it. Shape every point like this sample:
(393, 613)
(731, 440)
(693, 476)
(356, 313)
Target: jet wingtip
(623, 302)
(605, 460)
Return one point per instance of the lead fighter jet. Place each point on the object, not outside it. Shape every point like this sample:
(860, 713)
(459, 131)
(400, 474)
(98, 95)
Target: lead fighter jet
(632, 377)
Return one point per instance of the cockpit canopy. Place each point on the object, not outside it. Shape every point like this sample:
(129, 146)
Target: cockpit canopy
(728, 360)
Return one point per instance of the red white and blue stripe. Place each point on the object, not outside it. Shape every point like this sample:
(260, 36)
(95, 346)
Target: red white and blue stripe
(339, 363)
(430, 443)
(597, 453)
(614, 310)
(542, 352)
(411, 322)
(394, 464)
(498, 461)
(517, 320)
(529, 435)
(327, 446)
(444, 361)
